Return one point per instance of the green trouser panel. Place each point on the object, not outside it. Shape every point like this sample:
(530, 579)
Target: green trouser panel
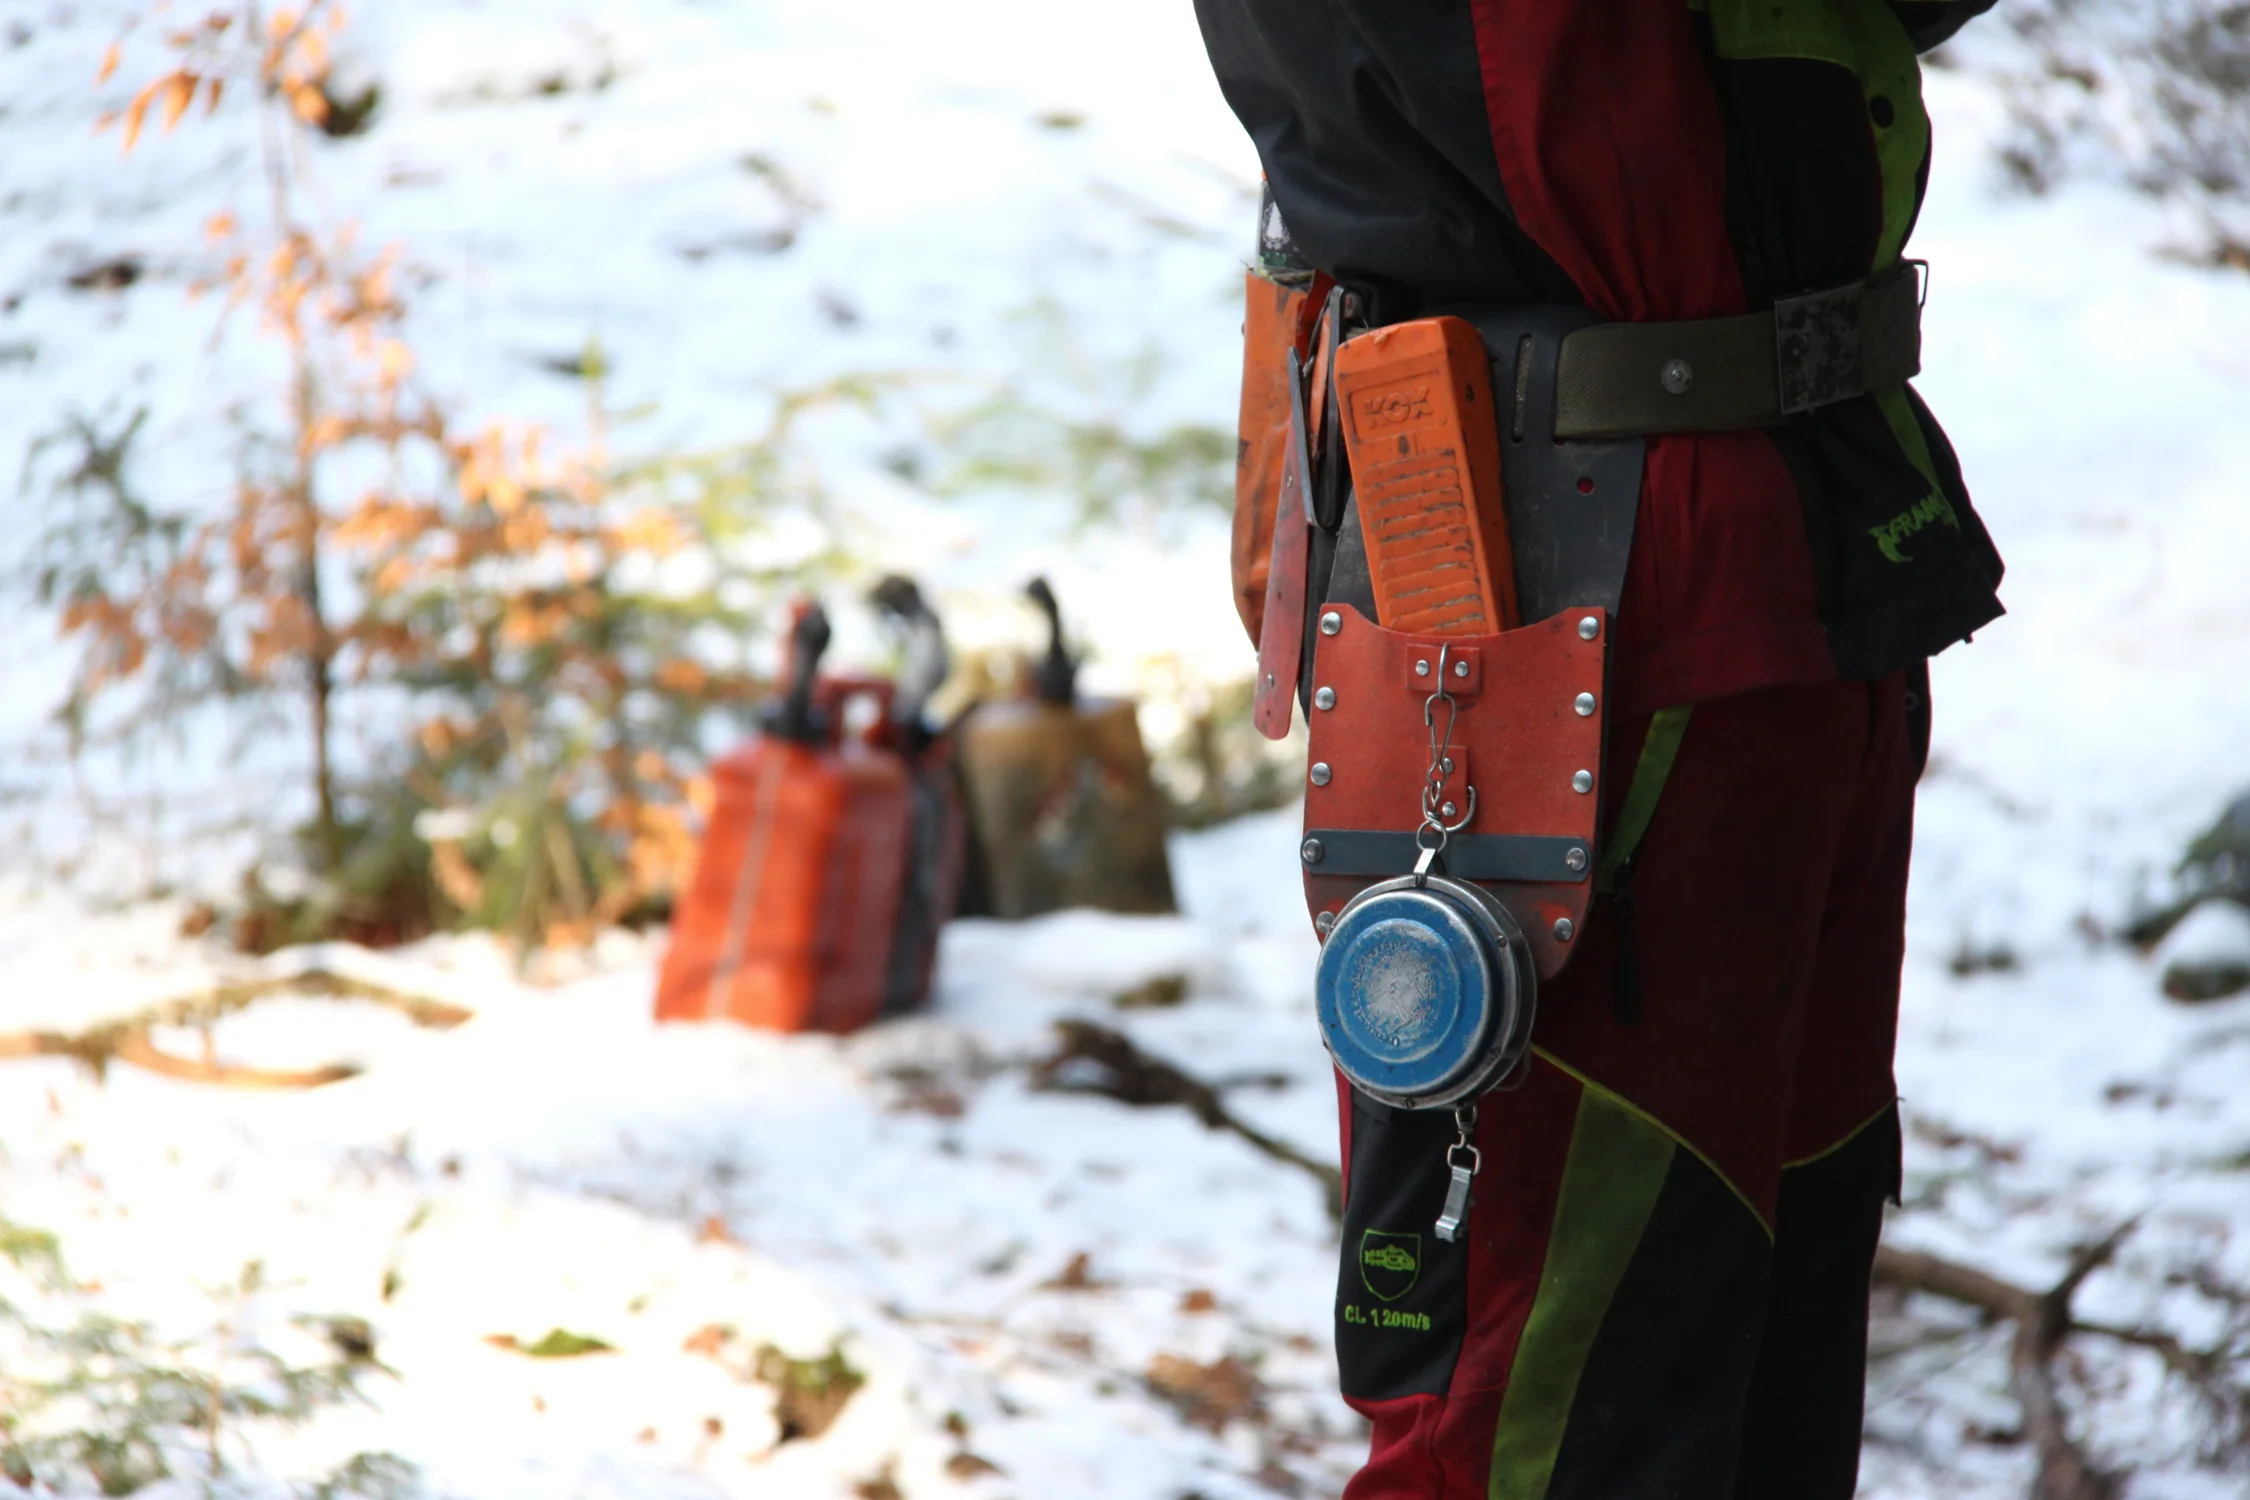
(1658, 751)
(1611, 1179)
(1613, 877)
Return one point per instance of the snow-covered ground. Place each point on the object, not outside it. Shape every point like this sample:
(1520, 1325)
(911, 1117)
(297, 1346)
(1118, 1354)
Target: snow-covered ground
(558, 1162)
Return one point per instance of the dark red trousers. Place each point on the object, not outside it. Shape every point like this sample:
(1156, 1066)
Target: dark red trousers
(1662, 1287)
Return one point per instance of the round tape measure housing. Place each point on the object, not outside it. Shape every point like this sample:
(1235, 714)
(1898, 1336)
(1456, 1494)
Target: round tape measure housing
(1425, 992)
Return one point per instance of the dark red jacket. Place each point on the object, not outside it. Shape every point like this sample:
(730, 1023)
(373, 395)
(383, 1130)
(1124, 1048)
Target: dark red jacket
(1653, 161)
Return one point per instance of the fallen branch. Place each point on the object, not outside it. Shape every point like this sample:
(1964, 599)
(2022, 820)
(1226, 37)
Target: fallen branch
(96, 1050)
(313, 983)
(1122, 1071)
(128, 1040)
(2043, 1324)
(135, 1047)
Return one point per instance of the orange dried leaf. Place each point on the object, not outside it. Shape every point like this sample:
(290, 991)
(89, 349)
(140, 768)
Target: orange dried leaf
(561, 935)
(136, 113)
(109, 63)
(520, 626)
(707, 1340)
(680, 675)
(284, 21)
(179, 93)
(308, 104)
(219, 225)
(455, 876)
(213, 88)
(649, 530)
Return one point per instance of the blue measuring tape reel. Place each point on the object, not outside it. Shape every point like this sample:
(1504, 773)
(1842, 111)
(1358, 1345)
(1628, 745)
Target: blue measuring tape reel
(1425, 990)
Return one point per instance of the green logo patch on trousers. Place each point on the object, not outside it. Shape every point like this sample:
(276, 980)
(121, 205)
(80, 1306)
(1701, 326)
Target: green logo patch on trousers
(1389, 1264)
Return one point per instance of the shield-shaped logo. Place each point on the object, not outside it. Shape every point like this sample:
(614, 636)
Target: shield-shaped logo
(1389, 1264)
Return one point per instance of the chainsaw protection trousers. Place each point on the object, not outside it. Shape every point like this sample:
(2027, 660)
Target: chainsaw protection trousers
(1662, 1286)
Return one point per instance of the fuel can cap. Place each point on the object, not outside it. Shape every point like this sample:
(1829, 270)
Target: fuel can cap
(1424, 992)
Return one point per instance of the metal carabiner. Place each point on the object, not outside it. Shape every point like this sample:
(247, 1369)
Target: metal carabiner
(1428, 722)
(1431, 813)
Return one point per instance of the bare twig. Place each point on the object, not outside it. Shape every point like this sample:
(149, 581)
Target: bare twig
(1122, 1071)
(2196, 1366)
(135, 1047)
(128, 1040)
(234, 995)
(2043, 1323)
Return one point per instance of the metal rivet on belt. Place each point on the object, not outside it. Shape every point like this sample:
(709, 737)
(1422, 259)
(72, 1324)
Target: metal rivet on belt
(1320, 773)
(1448, 809)
(1588, 628)
(1312, 852)
(1677, 375)
(1325, 923)
(1460, 669)
(1584, 705)
(1324, 697)
(1575, 859)
(1563, 929)
(1581, 781)
(1331, 622)
(1421, 669)
(1445, 766)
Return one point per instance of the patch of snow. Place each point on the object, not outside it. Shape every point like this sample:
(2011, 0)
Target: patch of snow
(2216, 932)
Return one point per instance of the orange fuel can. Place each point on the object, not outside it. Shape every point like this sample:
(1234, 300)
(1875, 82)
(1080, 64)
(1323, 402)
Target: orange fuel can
(819, 842)
(788, 924)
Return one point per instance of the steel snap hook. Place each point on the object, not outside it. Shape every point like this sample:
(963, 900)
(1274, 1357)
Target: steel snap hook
(1430, 811)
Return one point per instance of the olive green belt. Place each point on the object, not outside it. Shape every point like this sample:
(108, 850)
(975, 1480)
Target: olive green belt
(1617, 380)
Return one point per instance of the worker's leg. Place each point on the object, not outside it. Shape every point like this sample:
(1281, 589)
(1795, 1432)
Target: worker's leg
(1596, 1333)
(1801, 1429)
(1597, 1322)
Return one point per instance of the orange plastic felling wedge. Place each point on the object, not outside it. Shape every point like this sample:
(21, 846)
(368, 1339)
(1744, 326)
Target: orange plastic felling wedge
(1425, 454)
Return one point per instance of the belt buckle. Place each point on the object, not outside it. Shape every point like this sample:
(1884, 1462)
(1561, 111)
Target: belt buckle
(1817, 356)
